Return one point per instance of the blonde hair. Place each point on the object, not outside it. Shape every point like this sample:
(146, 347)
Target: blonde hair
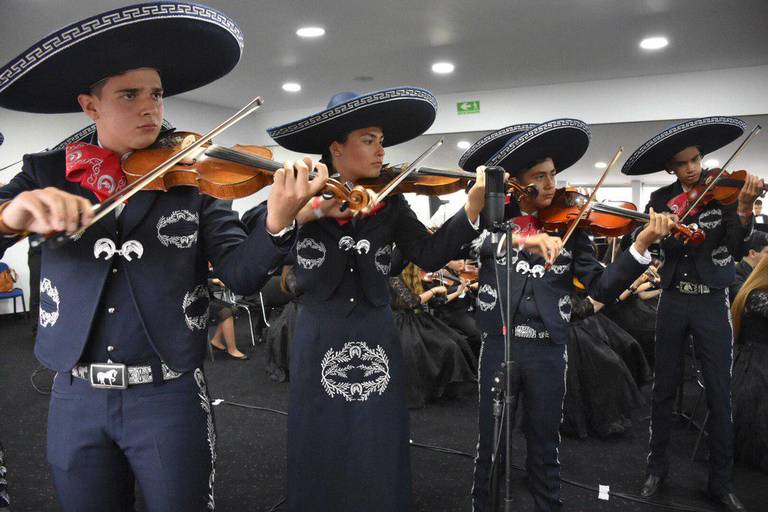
(411, 276)
(757, 280)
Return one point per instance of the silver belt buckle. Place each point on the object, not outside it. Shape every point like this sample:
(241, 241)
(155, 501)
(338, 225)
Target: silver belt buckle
(687, 288)
(108, 376)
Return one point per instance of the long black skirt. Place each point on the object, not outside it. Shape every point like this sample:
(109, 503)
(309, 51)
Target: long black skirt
(438, 359)
(601, 389)
(347, 422)
(750, 409)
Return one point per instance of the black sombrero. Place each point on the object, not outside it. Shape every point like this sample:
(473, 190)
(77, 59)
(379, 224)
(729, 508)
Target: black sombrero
(707, 133)
(479, 152)
(402, 113)
(189, 44)
(563, 140)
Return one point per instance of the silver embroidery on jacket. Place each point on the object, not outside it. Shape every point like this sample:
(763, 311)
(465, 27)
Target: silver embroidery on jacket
(310, 253)
(180, 241)
(107, 247)
(198, 293)
(721, 257)
(486, 297)
(49, 318)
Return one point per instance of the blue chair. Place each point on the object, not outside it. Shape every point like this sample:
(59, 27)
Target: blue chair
(13, 295)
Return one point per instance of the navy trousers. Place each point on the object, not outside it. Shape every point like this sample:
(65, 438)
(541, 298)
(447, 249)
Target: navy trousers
(542, 368)
(101, 442)
(707, 318)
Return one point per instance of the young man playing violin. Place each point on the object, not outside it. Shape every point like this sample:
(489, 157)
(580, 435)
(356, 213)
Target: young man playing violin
(348, 422)
(124, 307)
(540, 305)
(694, 300)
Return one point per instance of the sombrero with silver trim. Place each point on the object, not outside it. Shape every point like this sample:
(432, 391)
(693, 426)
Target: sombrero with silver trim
(708, 133)
(563, 140)
(402, 113)
(189, 44)
(479, 152)
(86, 135)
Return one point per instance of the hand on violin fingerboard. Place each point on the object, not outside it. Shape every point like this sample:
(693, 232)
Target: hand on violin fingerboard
(659, 226)
(752, 189)
(291, 191)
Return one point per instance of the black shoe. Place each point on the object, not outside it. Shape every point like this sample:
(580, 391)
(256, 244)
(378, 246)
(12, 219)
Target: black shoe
(729, 501)
(651, 486)
(243, 357)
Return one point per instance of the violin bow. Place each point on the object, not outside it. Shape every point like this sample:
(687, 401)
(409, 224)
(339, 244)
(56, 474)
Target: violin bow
(743, 144)
(590, 200)
(109, 204)
(413, 166)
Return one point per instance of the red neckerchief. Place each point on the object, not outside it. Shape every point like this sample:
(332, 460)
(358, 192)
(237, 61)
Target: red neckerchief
(529, 225)
(371, 213)
(95, 168)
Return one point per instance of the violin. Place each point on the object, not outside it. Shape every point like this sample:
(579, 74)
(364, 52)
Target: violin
(725, 190)
(604, 219)
(436, 182)
(221, 172)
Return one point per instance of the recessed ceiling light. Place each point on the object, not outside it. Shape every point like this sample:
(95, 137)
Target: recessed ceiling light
(291, 87)
(443, 68)
(310, 32)
(711, 163)
(601, 165)
(654, 43)
(463, 144)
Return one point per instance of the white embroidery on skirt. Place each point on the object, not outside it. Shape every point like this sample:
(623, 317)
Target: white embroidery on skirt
(49, 318)
(180, 241)
(205, 403)
(304, 249)
(196, 322)
(355, 355)
(484, 304)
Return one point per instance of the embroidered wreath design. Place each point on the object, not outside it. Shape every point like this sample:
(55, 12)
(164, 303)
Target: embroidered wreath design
(355, 355)
(180, 241)
(49, 318)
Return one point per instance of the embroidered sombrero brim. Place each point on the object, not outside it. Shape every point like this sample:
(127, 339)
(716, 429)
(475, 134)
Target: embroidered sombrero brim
(189, 44)
(402, 113)
(86, 135)
(563, 140)
(479, 152)
(708, 133)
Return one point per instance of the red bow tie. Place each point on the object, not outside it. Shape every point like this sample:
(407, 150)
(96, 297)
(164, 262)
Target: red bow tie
(95, 168)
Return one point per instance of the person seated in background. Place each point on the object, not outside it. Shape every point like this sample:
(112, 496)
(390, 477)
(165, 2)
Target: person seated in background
(757, 249)
(750, 370)
(458, 309)
(437, 358)
(222, 314)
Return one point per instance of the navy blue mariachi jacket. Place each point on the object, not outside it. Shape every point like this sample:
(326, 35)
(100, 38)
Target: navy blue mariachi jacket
(166, 243)
(551, 289)
(713, 259)
(338, 265)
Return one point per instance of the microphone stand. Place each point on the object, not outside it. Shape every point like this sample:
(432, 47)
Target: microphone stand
(510, 391)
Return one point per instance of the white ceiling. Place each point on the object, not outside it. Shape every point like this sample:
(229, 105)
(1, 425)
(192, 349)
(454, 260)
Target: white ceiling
(495, 44)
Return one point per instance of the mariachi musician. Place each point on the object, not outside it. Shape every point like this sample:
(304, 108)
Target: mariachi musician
(125, 332)
(348, 423)
(541, 302)
(694, 300)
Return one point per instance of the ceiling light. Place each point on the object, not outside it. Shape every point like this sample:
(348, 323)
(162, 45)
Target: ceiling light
(291, 87)
(601, 165)
(310, 32)
(463, 144)
(442, 68)
(711, 163)
(653, 43)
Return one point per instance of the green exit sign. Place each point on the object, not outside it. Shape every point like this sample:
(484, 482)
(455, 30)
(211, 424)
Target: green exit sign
(468, 107)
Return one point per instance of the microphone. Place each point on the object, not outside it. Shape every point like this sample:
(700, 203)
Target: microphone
(495, 193)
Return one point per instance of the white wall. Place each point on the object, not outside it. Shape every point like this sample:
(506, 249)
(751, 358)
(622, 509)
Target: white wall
(728, 92)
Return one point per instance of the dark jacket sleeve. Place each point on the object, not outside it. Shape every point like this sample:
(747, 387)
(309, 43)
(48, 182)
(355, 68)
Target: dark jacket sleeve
(604, 284)
(736, 234)
(22, 182)
(431, 251)
(243, 261)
